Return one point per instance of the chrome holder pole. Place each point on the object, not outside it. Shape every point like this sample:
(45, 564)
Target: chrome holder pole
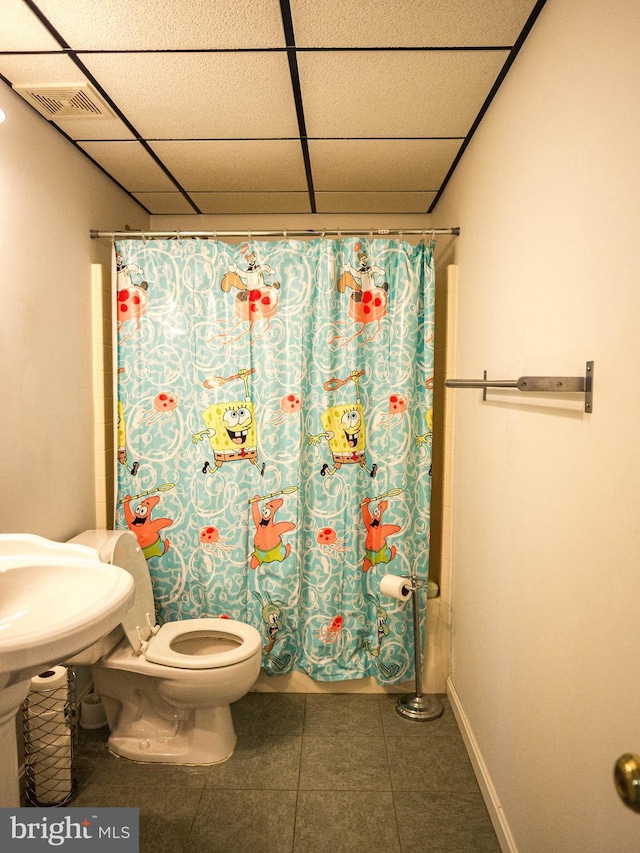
(420, 708)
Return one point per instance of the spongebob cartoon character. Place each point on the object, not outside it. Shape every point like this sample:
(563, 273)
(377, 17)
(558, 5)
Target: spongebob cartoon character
(231, 427)
(425, 438)
(344, 430)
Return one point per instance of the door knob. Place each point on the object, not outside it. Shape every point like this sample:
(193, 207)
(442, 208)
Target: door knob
(626, 775)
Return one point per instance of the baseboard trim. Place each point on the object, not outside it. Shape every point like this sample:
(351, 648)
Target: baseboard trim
(489, 793)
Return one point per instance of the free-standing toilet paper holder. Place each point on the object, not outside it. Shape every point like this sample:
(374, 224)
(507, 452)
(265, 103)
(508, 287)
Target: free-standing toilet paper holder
(419, 707)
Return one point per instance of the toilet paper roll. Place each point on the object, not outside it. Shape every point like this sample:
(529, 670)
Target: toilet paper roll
(395, 587)
(50, 679)
(51, 770)
(48, 692)
(46, 728)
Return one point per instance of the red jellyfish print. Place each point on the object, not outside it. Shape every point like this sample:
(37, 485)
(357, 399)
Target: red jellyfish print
(288, 409)
(398, 405)
(331, 631)
(163, 409)
(211, 541)
(327, 539)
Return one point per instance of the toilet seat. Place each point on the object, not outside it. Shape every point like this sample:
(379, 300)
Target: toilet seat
(147, 641)
(237, 640)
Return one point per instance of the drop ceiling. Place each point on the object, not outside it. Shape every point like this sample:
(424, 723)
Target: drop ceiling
(270, 106)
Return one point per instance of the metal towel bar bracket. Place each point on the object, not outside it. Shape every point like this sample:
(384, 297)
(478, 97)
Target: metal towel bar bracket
(572, 384)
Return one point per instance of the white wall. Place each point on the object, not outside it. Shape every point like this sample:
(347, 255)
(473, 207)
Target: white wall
(546, 499)
(50, 198)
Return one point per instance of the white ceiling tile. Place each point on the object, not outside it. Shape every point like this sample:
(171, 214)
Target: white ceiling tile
(167, 203)
(387, 202)
(130, 165)
(407, 165)
(235, 165)
(205, 95)
(383, 93)
(181, 24)
(255, 202)
(408, 23)
(44, 69)
(21, 30)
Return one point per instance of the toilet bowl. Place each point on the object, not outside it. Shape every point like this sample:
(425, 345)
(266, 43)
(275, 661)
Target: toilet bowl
(167, 690)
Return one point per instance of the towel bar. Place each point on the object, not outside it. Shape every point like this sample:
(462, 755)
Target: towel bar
(572, 384)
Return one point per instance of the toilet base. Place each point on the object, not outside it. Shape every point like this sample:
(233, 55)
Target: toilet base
(207, 737)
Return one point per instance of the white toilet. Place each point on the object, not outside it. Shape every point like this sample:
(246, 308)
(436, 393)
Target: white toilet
(166, 690)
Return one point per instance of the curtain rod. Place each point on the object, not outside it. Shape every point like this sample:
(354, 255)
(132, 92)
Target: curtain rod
(177, 233)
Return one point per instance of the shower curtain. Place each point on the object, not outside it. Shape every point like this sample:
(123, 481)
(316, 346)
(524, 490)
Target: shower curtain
(274, 439)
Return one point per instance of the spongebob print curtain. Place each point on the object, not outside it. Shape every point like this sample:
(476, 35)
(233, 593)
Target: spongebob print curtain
(274, 439)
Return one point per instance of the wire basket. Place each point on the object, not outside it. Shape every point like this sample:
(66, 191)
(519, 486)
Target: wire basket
(50, 743)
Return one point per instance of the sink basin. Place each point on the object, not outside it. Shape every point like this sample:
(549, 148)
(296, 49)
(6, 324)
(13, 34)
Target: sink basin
(55, 600)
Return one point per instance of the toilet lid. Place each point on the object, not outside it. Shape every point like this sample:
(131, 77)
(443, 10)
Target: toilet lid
(141, 617)
(120, 548)
(237, 642)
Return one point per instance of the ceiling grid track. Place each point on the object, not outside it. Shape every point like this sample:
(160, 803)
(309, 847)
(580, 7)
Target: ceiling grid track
(290, 39)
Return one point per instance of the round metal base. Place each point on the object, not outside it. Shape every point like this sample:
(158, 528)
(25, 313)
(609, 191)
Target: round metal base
(420, 708)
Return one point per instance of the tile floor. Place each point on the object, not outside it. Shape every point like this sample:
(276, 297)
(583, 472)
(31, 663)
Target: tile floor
(311, 772)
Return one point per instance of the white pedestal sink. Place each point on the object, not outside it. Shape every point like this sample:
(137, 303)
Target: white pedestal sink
(56, 599)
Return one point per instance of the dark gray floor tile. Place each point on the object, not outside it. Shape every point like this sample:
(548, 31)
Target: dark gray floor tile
(166, 814)
(345, 822)
(444, 823)
(92, 740)
(269, 714)
(344, 763)
(342, 714)
(394, 724)
(260, 762)
(430, 764)
(346, 757)
(108, 771)
(243, 822)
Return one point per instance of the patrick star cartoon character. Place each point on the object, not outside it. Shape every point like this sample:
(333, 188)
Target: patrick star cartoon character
(378, 551)
(146, 529)
(268, 544)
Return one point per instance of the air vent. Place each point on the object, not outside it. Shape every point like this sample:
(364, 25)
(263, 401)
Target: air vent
(65, 102)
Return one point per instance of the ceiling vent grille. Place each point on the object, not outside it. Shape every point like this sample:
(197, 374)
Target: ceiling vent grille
(66, 102)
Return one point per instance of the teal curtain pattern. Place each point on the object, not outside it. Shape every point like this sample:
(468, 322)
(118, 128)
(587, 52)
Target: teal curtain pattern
(274, 439)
